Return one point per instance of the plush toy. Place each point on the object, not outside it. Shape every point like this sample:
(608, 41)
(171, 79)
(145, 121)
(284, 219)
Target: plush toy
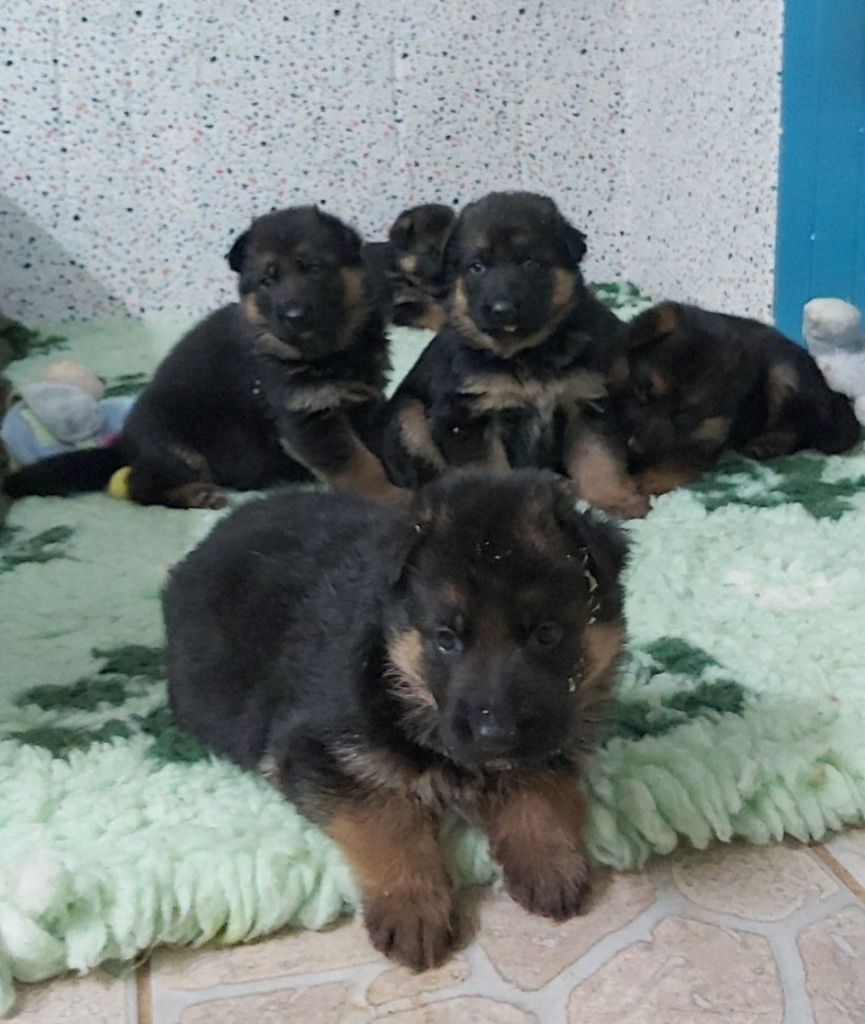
(62, 411)
(833, 333)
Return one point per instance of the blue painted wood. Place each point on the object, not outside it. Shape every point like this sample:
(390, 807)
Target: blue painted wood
(821, 200)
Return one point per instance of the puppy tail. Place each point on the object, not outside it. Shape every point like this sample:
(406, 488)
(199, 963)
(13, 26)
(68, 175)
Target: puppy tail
(69, 473)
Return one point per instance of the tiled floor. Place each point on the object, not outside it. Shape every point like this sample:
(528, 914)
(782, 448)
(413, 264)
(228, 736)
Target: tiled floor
(739, 935)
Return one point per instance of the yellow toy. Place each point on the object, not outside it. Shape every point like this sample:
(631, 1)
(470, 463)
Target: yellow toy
(118, 485)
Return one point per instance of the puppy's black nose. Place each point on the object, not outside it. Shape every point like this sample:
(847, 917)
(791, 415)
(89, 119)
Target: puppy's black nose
(292, 313)
(492, 733)
(502, 311)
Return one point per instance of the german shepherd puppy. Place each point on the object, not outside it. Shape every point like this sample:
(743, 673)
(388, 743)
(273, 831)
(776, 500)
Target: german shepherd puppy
(405, 272)
(384, 666)
(517, 375)
(693, 384)
(285, 385)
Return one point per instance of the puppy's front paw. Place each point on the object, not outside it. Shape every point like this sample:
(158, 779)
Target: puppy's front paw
(556, 885)
(415, 928)
(631, 504)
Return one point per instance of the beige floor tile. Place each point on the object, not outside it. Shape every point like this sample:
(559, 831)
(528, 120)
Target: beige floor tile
(97, 998)
(833, 952)
(848, 849)
(757, 883)
(324, 1004)
(690, 972)
(345, 945)
(530, 951)
(399, 983)
(466, 1010)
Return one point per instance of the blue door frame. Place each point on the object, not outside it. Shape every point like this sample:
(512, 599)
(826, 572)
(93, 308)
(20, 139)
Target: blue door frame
(821, 200)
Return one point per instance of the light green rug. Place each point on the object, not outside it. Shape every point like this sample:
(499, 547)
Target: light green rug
(740, 709)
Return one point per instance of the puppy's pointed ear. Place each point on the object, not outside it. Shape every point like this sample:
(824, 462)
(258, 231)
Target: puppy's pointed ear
(599, 547)
(653, 325)
(237, 253)
(402, 230)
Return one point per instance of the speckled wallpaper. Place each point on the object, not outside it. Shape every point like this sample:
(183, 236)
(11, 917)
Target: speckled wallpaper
(138, 137)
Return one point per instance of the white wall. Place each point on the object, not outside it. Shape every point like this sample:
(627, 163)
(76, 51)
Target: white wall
(140, 136)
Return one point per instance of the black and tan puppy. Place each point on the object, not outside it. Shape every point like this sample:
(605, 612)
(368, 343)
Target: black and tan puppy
(515, 376)
(284, 385)
(405, 272)
(694, 384)
(385, 666)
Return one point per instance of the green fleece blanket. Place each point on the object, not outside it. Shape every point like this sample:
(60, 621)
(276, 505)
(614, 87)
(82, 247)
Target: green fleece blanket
(740, 709)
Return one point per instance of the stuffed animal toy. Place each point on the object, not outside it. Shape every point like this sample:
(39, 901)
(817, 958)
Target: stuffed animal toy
(62, 411)
(833, 333)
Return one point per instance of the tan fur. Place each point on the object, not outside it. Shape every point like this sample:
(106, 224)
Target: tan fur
(782, 382)
(562, 303)
(459, 316)
(407, 263)
(196, 494)
(667, 476)
(416, 434)
(496, 392)
(666, 319)
(392, 846)
(324, 397)
(355, 303)
(450, 594)
(405, 678)
(602, 648)
(535, 832)
(364, 475)
(437, 789)
(563, 288)
(713, 428)
(265, 341)
(497, 460)
(433, 317)
(600, 477)
(660, 384)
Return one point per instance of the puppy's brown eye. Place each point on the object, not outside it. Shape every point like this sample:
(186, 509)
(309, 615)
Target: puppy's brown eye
(530, 263)
(447, 641)
(476, 267)
(269, 275)
(547, 634)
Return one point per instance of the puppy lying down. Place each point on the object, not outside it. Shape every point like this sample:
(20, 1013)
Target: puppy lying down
(385, 665)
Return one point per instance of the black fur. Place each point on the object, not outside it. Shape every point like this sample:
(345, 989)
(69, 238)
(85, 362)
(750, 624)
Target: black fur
(359, 655)
(695, 384)
(517, 377)
(285, 385)
(405, 273)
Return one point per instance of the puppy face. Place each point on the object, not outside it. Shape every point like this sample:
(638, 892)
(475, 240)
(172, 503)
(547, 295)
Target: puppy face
(506, 622)
(418, 237)
(680, 386)
(300, 282)
(512, 262)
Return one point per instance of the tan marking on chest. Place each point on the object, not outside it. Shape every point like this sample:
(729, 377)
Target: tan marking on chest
(322, 397)
(439, 789)
(497, 392)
